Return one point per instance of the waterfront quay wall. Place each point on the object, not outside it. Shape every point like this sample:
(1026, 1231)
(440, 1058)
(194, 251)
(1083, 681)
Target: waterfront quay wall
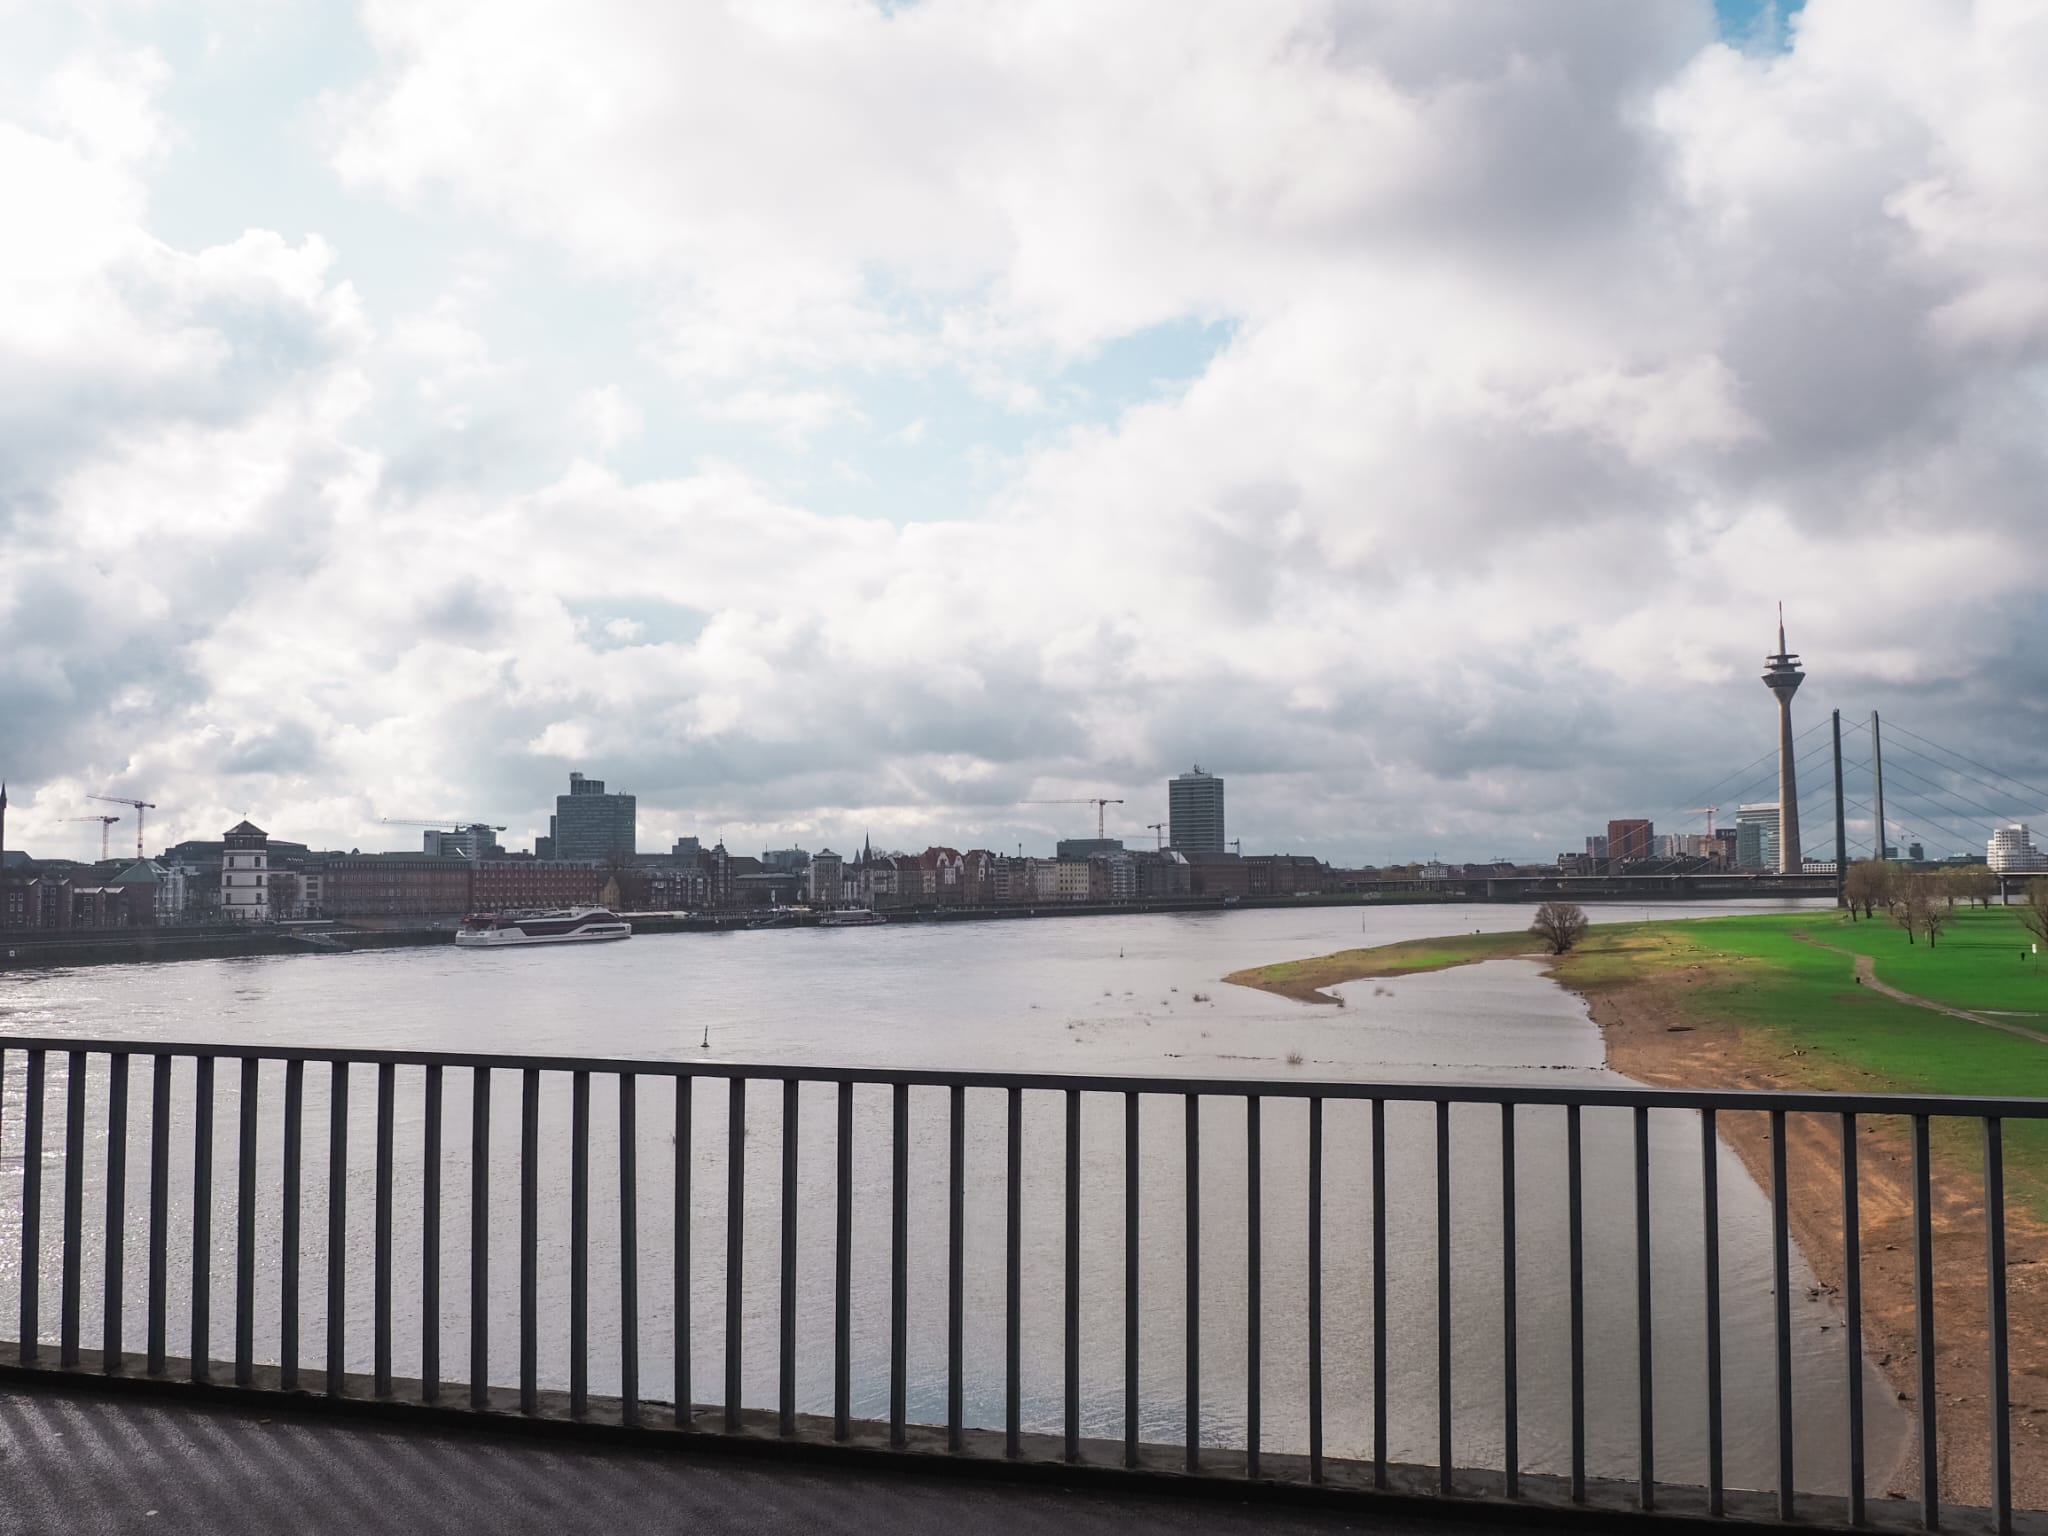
(32, 950)
(36, 948)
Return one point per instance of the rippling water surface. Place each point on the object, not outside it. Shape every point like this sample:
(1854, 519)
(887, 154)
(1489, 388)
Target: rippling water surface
(1105, 995)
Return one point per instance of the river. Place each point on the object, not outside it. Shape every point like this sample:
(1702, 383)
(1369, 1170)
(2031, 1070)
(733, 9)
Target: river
(1137, 995)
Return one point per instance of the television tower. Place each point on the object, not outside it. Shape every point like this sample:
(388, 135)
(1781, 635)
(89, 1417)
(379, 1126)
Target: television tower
(1783, 677)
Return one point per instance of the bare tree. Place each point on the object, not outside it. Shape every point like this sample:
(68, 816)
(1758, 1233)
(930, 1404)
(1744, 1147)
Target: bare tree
(2033, 913)
(1909, 902)
(1937, 898)
(1867, 884)
(1560, 924)
(1978, 883)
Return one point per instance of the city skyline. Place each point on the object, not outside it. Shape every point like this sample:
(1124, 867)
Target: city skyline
(1417, 455)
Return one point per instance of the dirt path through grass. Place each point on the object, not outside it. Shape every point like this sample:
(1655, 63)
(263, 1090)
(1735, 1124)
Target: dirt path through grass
(1866, 974)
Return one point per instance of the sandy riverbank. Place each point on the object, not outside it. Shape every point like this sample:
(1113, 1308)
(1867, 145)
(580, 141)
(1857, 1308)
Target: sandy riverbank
(1658, 1031)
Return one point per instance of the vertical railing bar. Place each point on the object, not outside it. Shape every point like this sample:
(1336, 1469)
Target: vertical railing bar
(1131, 1280)
(529, 1241)
(159, 1210)
(245, 1225)
(1443, 1296)
(1315, 1289)
(1574, 1159)
(117, 1214)
(735, 1244)
(686, 1092)
(480, 1238)
(1995, 1317)
(1013, 1285)
(202, 1221)
(1510, 1365)
(1071, 1311)
(292, 1179)
(337, 1228)
(1193, 1302)
(786, 1342)
(956, 1259)
(899, 1262)
(1781, 1296)
(430, 1241)
(1646, 1401)
(1379, 1293)
(387, 1077)
(579, 1244)
(1852, 1314)
(629, 1249)
(1710, 1236)
(30, 1314)
(842, 1273)
(73, 1260)
(1252, 1267)
(1923, 1307)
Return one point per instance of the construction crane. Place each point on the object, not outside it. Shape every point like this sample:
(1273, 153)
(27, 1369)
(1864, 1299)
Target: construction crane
(1098, 801)
(1706, 811)
(140, 807)
(105, 823)
(1160, 828)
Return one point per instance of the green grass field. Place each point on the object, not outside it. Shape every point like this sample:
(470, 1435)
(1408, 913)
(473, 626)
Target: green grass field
(1799, 1006)
(1983, 961)
(1304, 979)
(1804, 1004)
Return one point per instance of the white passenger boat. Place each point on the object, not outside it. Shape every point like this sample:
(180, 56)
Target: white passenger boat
(566, 925)
(850, 917)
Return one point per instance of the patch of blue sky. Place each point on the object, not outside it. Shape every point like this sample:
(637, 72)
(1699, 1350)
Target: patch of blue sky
(1758, 25)
(933, 446)
(608, 625)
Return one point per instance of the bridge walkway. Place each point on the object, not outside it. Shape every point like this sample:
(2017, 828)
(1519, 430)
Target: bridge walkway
(78, 1461)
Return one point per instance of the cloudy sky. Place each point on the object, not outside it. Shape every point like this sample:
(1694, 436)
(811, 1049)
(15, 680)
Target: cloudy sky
(823, 415)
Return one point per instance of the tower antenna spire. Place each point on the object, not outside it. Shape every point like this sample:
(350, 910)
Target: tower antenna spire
(1783, 676)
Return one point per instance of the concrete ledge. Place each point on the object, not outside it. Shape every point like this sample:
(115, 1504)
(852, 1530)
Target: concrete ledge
(1347, 1485)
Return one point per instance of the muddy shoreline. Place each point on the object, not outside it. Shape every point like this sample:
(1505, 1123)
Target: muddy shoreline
(1656, 1032)
(1653, 1036)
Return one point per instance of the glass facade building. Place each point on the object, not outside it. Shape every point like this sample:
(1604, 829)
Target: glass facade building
(1194, 812)
(590, 824)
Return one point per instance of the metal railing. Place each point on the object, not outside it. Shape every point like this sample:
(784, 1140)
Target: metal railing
(1045, 1180)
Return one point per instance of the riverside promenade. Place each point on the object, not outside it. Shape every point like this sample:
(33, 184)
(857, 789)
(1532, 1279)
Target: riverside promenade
(93, 1463)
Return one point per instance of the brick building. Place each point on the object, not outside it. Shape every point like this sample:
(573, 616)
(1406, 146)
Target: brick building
(1628, 842)
(499, 885)
(385, 886)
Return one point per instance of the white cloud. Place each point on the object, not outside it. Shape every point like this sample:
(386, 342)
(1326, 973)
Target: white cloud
(1563, 343)
(608, 419)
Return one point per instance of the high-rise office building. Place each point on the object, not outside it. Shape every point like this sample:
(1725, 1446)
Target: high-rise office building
(1194, 812)
(590, 824)
(1756, 836)
(1628, 841)
(2012, 852)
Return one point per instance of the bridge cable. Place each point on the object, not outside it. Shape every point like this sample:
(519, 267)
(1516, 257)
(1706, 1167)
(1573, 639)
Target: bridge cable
(2039, 796)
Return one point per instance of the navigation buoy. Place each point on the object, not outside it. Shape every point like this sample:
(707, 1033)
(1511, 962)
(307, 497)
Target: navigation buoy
(707, 1037)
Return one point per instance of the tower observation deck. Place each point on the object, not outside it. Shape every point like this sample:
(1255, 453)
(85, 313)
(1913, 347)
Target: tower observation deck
(1782, 675)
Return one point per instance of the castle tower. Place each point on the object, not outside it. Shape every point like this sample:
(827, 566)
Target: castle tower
(245, 874)
(1783, 677)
